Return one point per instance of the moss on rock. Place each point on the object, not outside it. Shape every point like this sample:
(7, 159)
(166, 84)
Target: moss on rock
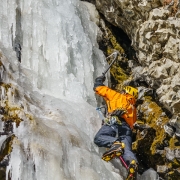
(6, 147)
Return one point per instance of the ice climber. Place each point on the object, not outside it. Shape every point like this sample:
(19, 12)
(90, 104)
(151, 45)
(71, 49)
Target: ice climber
(116, 133)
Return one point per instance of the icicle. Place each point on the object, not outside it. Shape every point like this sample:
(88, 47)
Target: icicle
(2, 96)
(25, 106)
(9, 95)
(1, 72)
(2, 92)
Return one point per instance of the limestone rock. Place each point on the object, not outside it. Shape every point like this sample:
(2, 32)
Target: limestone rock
(94, 15)
(153, 27)
(154, 30)
(150, 174)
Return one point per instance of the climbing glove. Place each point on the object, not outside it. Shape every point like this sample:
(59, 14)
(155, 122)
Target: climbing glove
(99, 81)
(118, 112)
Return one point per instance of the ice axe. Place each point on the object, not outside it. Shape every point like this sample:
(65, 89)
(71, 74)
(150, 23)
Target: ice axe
(115, 54)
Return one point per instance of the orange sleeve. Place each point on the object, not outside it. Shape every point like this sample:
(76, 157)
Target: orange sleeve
(106, 92)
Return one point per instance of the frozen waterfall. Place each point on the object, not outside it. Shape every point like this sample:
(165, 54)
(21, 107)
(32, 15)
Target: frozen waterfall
(50, 90)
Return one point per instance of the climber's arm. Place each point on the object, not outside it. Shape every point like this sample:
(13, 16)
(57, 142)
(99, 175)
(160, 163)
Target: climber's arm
(103, 90)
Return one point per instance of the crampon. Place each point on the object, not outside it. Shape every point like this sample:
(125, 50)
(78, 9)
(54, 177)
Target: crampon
(116, 150)
(130, 177)
(132, 168)
(132, 171)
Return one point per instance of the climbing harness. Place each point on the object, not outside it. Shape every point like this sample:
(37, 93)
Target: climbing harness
(111, 120)
(130, 169)
(108, 155)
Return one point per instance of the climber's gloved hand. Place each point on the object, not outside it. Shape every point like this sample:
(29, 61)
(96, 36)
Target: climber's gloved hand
(100, 79)
(118, 112)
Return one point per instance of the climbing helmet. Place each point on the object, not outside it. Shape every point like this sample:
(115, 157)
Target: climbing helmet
(131, 90)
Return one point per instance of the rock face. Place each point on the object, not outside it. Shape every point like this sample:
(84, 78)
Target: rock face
(154, 30)
(153, 27)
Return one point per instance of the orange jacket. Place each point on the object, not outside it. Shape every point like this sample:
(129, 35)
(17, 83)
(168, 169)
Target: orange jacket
(116, 100)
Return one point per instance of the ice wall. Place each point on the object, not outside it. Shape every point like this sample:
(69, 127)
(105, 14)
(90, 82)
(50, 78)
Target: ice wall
(58, 44)
(51, 88)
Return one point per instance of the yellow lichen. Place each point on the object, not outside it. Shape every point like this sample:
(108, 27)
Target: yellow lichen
(175, 163)
(30, 117)
(114, 45)
(160, 135)
(153, 117)
(119, 74)
(172, 142)
(11, 112)
(6, 86)
(135, 144)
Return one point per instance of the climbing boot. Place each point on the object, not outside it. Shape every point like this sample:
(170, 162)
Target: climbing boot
(132, 171)
(116, 150)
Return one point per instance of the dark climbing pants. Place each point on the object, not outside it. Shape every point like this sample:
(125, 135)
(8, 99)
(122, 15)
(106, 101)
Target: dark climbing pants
(107, 135)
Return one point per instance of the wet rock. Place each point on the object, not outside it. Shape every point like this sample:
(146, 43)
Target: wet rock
(177, 153)
(149, 174)
(162, 168)
(169, 129)
(154, 31)
(5, 161)
(2, 173)
(94, 15)
(6, 148)
(8, 126)
(159, 13)
(169, 153)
